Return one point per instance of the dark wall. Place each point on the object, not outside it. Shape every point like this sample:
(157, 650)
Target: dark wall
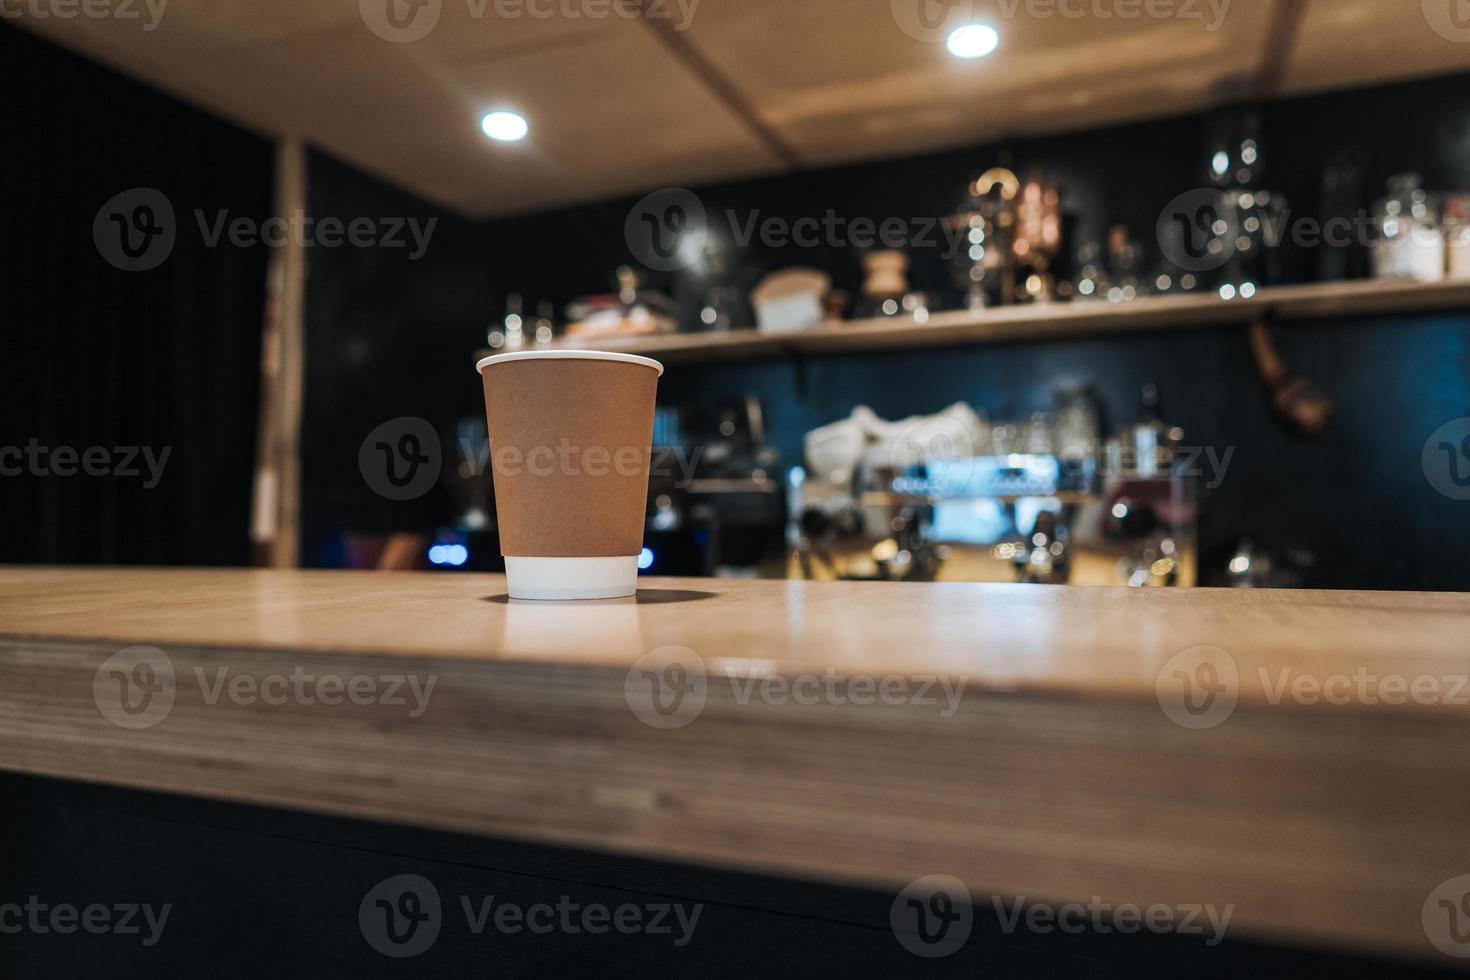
(390, 333)
(1357, 497)
(98, 358)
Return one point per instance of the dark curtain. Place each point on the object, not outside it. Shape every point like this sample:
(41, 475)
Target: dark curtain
(105, 369)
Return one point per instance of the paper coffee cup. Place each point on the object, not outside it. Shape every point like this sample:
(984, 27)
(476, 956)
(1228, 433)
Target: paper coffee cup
(569, 452)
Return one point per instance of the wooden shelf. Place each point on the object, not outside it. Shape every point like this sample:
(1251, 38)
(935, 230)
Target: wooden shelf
(1358, 297)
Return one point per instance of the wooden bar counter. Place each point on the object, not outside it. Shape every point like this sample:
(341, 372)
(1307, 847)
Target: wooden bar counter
(1301, 756)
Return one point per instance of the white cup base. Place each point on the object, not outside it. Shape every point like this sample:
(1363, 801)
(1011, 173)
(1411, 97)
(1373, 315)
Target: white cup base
(571, 578)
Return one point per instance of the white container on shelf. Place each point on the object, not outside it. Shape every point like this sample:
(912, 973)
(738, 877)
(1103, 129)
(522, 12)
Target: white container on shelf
(1411, 243)
(1457, 236)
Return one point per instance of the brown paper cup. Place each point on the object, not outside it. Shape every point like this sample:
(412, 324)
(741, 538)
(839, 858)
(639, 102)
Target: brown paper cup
(569, 451)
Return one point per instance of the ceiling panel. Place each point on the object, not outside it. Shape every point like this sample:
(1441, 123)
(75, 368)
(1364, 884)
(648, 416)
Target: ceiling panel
(614, 110)
(1356, 42)
(614, 117)
(607, 104)
(839, 80)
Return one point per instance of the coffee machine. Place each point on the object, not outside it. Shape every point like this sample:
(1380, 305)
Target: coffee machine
(1046, 501)
(716, 505)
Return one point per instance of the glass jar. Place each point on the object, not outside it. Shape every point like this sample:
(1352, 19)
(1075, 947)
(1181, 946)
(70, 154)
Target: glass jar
(1410, 241)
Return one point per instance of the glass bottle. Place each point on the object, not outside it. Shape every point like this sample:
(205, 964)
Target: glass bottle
(1410, 243)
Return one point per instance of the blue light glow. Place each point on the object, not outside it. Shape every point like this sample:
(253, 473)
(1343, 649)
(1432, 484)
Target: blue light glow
(449, 554)
(645, 558)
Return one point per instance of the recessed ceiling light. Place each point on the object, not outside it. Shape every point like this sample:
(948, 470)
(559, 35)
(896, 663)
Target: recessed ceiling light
(972, 41)
(507, 127)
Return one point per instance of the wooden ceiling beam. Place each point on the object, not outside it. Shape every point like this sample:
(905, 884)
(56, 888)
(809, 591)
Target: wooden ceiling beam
(1281, 37)
(657, 21)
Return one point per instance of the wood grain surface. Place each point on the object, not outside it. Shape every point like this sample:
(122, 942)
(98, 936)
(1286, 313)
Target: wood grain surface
(1027, 739)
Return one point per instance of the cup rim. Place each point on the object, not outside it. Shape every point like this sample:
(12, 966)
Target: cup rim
(562, 355)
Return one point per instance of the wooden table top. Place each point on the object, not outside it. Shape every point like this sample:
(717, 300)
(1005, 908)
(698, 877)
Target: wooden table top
(1090, 641)
(1298, 756)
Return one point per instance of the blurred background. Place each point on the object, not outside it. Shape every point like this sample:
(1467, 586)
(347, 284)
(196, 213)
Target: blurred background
(1106, 292)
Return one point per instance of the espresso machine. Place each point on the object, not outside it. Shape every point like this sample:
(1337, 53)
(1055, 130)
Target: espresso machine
(716, 505)
(953, 497)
